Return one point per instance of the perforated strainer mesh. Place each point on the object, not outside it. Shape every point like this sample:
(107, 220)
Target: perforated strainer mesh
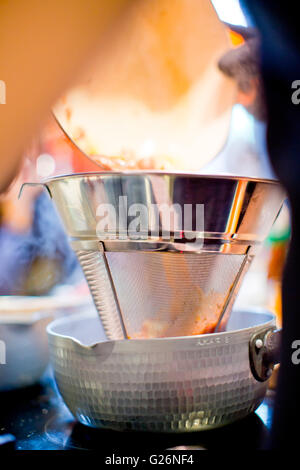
(172, 294)
(161, 294)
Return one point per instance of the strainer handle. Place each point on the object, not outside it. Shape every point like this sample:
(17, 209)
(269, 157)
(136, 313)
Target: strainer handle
(34, 184)
(264, 353)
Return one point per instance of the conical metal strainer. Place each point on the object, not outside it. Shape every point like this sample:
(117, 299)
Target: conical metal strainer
(161, 276)
(163, 294)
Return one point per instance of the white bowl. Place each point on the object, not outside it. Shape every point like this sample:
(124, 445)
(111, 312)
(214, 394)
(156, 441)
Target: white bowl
(23, 345)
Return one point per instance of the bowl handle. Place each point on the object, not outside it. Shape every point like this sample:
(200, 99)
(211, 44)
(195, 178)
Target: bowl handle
(34, 184)
(264, 353)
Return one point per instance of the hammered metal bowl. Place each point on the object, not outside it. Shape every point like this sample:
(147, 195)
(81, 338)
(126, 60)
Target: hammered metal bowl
(167, 384)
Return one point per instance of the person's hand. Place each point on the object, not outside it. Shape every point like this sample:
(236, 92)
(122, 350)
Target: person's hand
(243, 64)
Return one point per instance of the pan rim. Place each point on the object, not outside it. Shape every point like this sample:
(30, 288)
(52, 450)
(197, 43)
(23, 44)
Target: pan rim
(155, 341)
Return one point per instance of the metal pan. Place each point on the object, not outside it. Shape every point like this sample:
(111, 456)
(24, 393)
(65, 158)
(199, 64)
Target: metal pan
(167, 384)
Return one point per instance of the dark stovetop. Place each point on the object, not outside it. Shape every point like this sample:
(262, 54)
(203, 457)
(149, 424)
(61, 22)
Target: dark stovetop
(39, 420)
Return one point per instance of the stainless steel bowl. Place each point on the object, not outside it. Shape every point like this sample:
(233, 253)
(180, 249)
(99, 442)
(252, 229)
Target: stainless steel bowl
(238, 212)
(167, 384)
(147, 284)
